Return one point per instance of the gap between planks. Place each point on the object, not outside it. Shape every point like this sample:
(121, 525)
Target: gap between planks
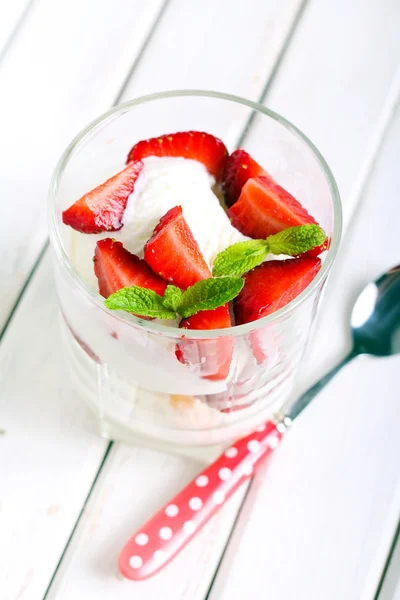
(19, 21)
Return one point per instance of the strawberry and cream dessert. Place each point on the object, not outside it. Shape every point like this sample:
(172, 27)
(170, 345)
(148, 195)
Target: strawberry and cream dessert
(189, 237)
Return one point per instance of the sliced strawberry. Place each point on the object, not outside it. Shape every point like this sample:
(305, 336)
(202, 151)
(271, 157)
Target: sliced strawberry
(173, 253)
(196, 145)
(102, 208)
(214, 355)
(239, 168)
(116, 268)
(272, 285)
(264, 208)
(219, 318)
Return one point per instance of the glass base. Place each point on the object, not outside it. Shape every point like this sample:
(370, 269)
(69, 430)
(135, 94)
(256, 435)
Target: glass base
(109, 430)
(179, 424)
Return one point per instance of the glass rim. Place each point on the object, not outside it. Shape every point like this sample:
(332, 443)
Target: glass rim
(153, 326)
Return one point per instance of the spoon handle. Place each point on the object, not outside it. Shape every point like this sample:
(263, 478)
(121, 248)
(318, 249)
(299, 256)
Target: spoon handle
(315, 389)
(159, 540)
(165, 534)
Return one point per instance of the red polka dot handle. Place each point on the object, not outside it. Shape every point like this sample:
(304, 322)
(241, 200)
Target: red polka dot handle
(156, 543)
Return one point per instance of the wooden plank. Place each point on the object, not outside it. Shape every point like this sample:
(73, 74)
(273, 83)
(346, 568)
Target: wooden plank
(198, 566)
(48, 453)
(340, 83)
(150, 480)
(54, 457)
(70, 456)
(218, 55)
(49, 91)
(213, 45)
(12, 15)
(320, 524)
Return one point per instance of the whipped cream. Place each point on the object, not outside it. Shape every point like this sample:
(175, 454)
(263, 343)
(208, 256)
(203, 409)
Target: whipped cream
(162, 184)
(167, 182)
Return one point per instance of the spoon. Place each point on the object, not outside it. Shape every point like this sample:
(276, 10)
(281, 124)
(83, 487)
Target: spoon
(375, 326)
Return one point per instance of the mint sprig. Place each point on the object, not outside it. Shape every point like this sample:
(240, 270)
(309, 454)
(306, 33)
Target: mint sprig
(203, 295)
(296, 240)
(244, 256)
(209, 294)
(139, 301)
(240, 258)
(172, 297)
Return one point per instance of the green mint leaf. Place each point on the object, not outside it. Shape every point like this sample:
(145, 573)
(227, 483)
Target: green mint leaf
(240, 258)
(296, 240)
(139, 301)
(208, 294)
(172, 297)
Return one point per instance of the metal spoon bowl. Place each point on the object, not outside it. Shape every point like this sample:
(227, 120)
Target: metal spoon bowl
(375, 319)
(375, 326)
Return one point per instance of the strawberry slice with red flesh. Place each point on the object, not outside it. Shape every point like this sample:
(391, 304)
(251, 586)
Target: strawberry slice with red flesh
(196, 145)
(214, 355)
(116, 268)
(265, 208)
(173, 253)
(273, 285)
(102, 209)
(239, 168)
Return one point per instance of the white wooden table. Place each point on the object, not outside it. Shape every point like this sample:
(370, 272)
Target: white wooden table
(321, 524)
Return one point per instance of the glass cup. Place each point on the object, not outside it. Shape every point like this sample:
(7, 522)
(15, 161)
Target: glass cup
(126, 368)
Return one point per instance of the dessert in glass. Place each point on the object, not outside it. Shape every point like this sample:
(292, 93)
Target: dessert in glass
(189, 265)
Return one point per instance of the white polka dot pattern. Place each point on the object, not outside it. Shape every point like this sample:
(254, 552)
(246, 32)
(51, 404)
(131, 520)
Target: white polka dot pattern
(165, 533)
(141, 539)
(231, 452)
(201, 481)
(195, 503)
(171, 510)
(163, 536)
(135, 562)
(253, 446)
(224, 474)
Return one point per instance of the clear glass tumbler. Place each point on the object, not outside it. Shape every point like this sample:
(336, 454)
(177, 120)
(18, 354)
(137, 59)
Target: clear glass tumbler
(125, 367)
